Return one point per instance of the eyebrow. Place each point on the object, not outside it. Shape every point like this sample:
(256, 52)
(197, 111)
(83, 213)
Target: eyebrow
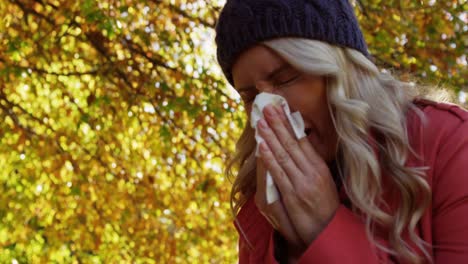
(270, 76)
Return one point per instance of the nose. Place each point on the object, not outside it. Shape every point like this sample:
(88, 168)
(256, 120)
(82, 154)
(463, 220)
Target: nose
(264, 87)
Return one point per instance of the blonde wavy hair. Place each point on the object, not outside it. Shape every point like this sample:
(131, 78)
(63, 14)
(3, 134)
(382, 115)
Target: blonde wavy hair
(365, 104)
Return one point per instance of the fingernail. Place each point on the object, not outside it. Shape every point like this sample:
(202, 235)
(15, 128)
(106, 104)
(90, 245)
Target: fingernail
(270, 110)
(262, 123)
(279, 110)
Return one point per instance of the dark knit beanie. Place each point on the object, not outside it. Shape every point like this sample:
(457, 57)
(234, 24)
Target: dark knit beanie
(244, 23)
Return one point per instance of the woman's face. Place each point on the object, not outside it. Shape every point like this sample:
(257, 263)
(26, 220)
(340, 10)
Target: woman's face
(259, 69)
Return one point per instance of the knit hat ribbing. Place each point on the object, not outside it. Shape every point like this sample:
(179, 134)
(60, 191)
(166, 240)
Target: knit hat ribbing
(244, 23)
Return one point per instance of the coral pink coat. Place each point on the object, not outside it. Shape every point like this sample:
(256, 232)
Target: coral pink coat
(442, 142)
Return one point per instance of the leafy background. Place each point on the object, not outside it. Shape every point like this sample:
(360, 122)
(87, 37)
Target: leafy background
(116, 122)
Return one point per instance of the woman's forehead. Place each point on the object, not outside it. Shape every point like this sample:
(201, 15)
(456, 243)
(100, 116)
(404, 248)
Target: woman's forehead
(256, 63)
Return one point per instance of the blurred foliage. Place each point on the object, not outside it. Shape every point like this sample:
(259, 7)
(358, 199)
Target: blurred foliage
(117, 122)
(426, 39)
(115, 125)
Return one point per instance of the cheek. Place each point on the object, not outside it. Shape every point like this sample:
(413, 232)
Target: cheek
(307, 99)
(313, 105)
(248, 108)
(324, 117)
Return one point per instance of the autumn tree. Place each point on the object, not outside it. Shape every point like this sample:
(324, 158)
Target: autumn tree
(117, 122)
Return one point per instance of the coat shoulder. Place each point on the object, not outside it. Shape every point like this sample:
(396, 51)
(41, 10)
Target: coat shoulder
(442, 112)
(432, 127)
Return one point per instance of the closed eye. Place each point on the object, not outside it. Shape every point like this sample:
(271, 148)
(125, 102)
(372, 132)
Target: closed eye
(288, 81)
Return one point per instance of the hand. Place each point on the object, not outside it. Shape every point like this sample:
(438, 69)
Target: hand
(308, 193)
(275, 212)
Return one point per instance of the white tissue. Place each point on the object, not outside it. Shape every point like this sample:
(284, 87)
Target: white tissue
(295, 119)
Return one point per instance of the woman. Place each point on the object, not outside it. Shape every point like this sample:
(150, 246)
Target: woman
(381, 177)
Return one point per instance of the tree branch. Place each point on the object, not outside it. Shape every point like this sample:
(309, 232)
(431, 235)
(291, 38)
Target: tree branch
(42, 71)
(183, 13)
(27, 11)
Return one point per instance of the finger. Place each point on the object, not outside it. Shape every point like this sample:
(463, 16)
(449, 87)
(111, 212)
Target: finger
(260, 195)
(309, 151)
(283, 181)
(279, 176)
(282, 115)
(280, 155)
(286, 227)
(309, 156)
(280, 216)
(287, 138)
(275, 213)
